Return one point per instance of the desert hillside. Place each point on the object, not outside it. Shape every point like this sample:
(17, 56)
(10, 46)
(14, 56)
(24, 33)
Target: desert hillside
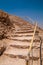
(15, 39)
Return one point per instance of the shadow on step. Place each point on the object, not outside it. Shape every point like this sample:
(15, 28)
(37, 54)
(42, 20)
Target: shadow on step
(2, 49)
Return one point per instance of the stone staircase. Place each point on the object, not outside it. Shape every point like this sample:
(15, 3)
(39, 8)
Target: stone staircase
(17, 40)
(20, 44)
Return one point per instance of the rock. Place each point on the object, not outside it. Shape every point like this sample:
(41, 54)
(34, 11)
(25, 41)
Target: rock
(5, 24)
(4, 18)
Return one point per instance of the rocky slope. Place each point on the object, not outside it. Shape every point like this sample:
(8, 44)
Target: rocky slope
(15, 38)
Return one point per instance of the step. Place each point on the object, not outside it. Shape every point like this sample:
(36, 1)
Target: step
(22, 57)
(21, 38)
(16, 51)
(22, 47)
(25, 46)
(14, 34)
(24, 40)
(21, 35)
(26, 32)
(20, 43)
(6, 60)
(27, 29)
(21, 30)
(16, 56)
(34, 58)
(23, 27)
(35, 52)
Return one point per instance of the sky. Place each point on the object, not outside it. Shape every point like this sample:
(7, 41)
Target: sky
(26, 9)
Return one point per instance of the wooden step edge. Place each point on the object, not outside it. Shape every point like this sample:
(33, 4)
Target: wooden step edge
(21, 47)
(16, 56)
(21, 57)
(17, 35)
(38, 48)
(26, 32)
(34, 58)
(21, 35)
(24, 40)
(26, 29)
